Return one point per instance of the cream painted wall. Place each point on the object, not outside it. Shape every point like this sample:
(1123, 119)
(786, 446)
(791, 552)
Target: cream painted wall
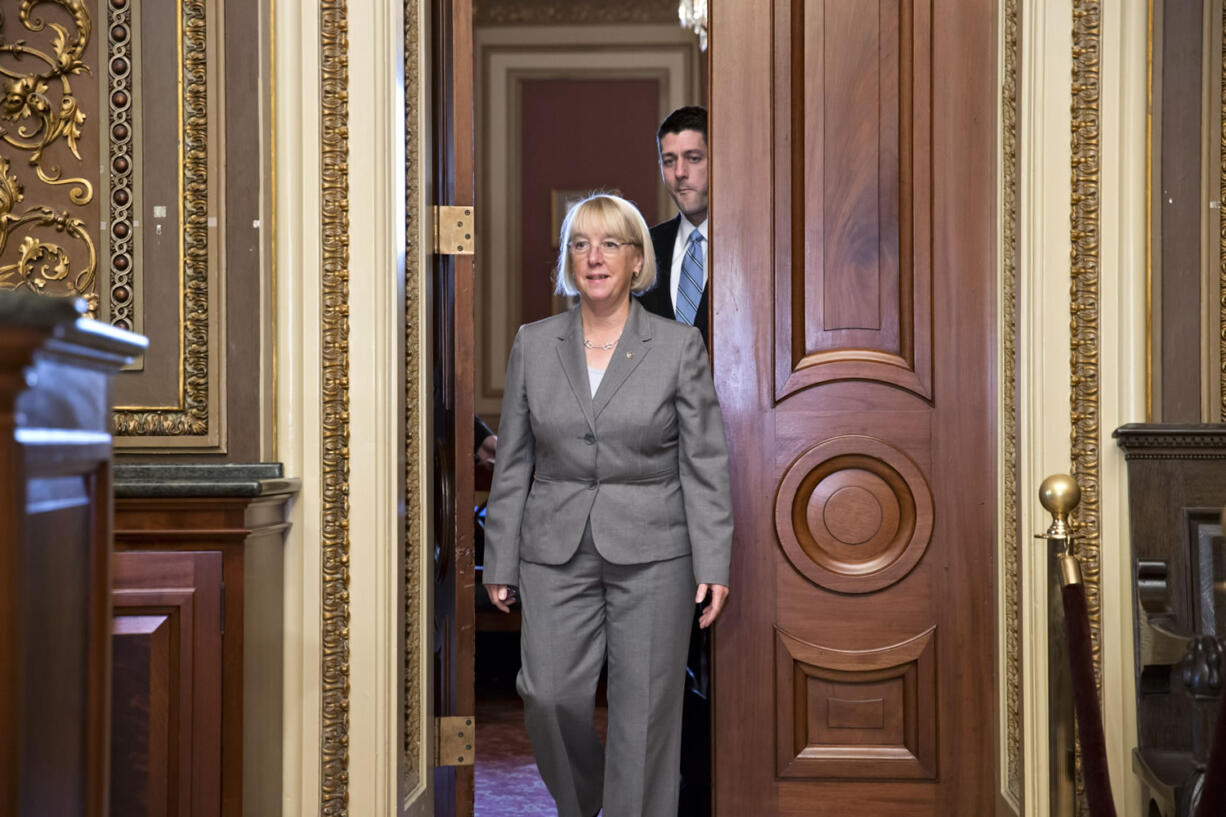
(1043, 352)
(297, 262)
(376, 331)
(1044, 368)
(1122, 345)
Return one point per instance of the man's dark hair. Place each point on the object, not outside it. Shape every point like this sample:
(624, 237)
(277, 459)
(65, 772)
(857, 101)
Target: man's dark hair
(691, 117)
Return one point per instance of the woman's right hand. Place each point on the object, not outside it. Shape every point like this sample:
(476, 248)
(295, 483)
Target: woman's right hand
(502, 596)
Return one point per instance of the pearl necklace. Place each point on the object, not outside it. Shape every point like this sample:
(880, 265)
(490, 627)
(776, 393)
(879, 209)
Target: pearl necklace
(606, 346)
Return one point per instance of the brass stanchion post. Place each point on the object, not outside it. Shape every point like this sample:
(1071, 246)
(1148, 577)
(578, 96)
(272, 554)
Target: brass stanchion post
(1060, 495)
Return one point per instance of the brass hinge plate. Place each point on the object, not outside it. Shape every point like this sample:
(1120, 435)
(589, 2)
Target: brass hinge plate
(456, 739)
(454, 230)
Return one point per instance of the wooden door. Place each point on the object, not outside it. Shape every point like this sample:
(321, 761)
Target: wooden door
(452, 305)
(853, 207)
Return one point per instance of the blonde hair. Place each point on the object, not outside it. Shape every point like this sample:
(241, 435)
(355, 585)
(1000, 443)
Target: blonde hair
(617, 218)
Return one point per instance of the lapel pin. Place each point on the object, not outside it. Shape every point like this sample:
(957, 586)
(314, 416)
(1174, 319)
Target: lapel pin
(629, 354)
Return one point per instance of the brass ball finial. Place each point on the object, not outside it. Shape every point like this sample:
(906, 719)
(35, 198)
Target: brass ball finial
(1059, 494)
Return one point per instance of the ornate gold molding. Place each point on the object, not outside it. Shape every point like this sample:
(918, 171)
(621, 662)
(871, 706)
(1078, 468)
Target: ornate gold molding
(1010, 533)
(191, 417)
(41, 122)
(573, 12)
(414, 536)
(122, 291)
(1084, 306)
(334, 376)
(1222, 236)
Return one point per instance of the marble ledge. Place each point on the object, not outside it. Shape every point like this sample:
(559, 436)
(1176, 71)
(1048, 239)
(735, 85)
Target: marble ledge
(193, 480)
(40, 311)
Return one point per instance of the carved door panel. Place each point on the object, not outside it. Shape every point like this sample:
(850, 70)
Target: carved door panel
(853, 253)
(452, 323)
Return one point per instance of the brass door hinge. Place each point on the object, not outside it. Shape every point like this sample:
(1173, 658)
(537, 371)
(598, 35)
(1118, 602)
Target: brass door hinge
(456, 739)
(454, 230)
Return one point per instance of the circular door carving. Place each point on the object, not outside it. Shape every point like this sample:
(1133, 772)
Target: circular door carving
(854, 514)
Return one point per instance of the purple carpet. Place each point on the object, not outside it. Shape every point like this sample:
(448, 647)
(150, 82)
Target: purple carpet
(507, 782)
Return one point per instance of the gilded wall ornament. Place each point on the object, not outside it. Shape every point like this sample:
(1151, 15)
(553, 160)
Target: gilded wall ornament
(38, 113)
(122, 290)
(1010, 530)
(334, 375)
(191, 417)
(1222, 241)
(415, 760)
(1084, 307)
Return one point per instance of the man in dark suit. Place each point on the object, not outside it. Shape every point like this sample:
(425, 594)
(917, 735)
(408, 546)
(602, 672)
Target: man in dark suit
(680, 293)
(681, 242)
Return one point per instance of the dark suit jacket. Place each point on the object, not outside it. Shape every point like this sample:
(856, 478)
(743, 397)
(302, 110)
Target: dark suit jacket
(657, 300)
(644, 461)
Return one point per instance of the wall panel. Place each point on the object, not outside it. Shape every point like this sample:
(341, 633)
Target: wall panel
(132, 178)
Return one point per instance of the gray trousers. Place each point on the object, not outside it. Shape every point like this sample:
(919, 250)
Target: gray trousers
(574, 617)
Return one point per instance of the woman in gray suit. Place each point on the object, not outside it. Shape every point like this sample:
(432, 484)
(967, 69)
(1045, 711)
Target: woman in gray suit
(624, 525)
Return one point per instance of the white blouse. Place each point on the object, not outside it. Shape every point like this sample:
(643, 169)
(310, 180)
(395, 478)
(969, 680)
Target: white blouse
(594, 376)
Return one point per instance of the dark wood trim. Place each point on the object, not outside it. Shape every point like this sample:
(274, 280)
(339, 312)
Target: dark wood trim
(1172, 441)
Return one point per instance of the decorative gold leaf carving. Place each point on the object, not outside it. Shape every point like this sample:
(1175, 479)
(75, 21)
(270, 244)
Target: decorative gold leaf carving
(414, 536)
(1084, 382)
(122, 290)
(192, 416)
(32, 120)
(334, 371)
(1010, 533)
(1222, 239)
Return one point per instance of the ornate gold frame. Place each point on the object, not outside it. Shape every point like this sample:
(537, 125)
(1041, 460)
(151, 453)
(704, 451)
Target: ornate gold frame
(1222, 235)
(191, 418)
(1084, 307)
(414, 760)
(194, 419)
(123, 289)
(334, 379)
(1010, 531)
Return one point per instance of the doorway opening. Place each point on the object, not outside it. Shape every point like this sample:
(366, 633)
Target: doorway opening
(567, 100)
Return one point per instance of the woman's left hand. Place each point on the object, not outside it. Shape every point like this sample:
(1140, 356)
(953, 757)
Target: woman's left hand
(719, 595)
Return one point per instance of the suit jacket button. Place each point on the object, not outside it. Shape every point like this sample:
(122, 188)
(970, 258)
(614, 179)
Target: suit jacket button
(591, 486)
(589, 438)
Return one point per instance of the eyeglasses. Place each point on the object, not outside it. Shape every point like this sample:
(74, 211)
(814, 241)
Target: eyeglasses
(608, 248)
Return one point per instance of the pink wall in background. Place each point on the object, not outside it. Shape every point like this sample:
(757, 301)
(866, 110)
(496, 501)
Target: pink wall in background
(580, 134)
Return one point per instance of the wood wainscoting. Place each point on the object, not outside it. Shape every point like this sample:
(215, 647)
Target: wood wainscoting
(197, 639)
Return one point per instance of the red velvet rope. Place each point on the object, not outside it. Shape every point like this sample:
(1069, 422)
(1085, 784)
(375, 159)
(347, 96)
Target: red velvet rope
(1085, 697)
(1213, 795)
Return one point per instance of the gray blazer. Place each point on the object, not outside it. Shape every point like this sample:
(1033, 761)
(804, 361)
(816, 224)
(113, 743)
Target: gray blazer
(645, 459)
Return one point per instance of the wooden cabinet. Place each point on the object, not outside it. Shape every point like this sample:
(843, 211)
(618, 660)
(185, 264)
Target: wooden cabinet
(198, 639)
(166, 701)
(55, 547)
(1176, 491)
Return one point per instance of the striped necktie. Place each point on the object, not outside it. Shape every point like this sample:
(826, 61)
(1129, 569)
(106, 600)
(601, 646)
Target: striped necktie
(689, 288)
